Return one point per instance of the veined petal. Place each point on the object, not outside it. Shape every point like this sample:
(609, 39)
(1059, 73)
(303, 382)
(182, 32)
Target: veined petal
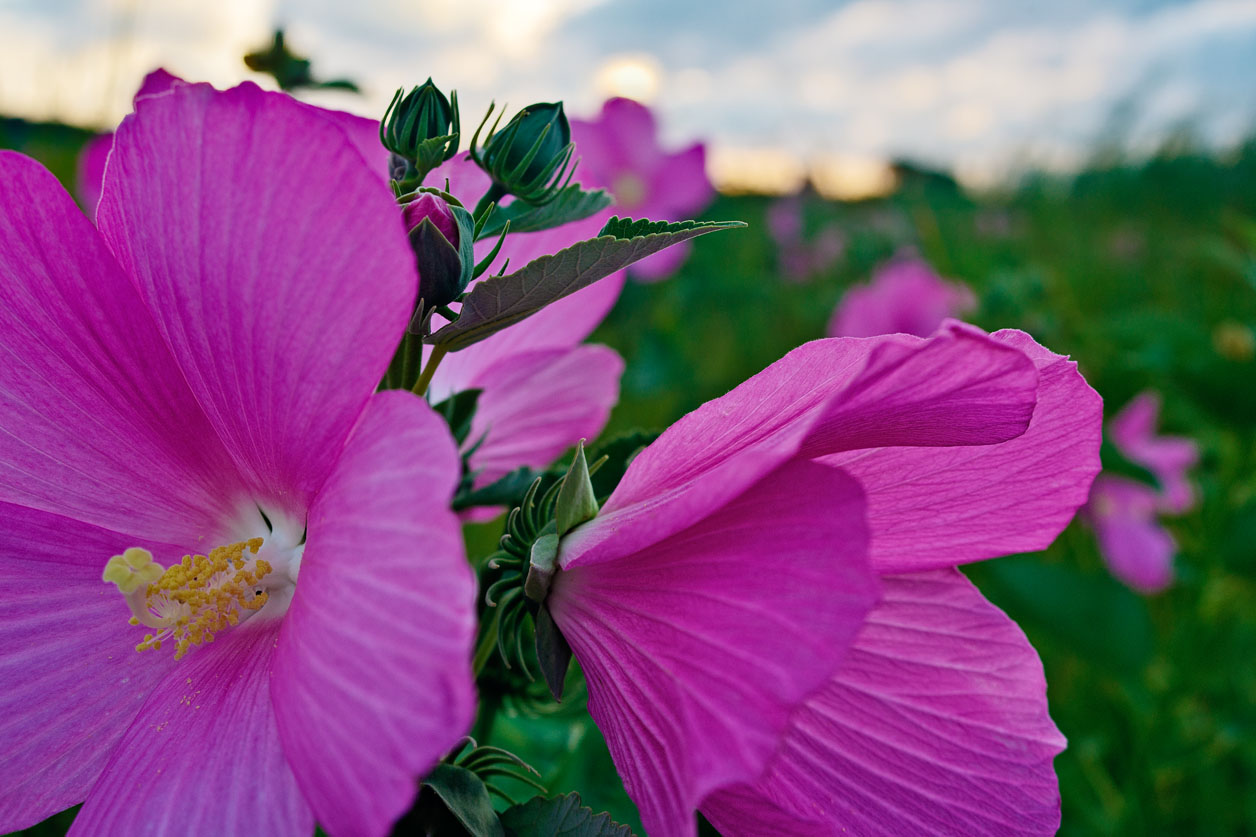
(96, 420)
(959, 387)
(938, 507)
(282, 308)
(533, 406)
(936, 723)
(203, 756)
(697, 649)
(71, 681)
(372, 679)
(679, 186)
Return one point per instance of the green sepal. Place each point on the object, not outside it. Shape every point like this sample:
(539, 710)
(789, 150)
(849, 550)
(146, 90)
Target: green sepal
(576, 500)
(571, 203)
(543, 563)
(552, 652)
(464, 795)
(501, 301)
(559, 816)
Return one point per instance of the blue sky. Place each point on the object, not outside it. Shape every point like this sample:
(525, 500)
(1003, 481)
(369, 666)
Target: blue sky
(980, 85)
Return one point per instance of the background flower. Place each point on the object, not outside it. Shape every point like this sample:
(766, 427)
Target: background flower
(619, 151)
(905, 296)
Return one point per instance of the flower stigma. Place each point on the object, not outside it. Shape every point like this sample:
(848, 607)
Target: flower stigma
(202, 595)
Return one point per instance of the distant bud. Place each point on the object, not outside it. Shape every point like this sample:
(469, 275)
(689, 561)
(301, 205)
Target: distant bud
(529, 156)
(440, 235)
(421, 130)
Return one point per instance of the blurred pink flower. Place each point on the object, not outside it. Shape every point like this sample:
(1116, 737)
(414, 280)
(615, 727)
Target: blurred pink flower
(767, 611)
(905, 296)
(1124, 513)
(619, 151)
(799, 259)
(201, 372)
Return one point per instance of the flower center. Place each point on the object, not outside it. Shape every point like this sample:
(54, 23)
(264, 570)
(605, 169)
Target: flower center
(191, 601)
(629, 190)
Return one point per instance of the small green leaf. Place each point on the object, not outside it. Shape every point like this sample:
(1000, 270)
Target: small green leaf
(552, 652)
(458, 410)
(561, 816)
(576, 502)
(501, 301)
(572, 203)
(466, 797)
(507, 491)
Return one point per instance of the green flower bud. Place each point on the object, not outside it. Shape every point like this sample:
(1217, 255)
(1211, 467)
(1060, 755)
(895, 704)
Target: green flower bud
(421, 129)
(528, 158)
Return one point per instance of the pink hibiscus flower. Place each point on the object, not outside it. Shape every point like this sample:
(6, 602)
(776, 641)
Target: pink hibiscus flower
(904, 297)
(197, 379)
(798, 258)
(1124, 513)
(619, 151)
(767, 610)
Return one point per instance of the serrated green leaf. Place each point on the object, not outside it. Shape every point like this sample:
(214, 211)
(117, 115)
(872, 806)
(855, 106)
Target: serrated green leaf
(561, 816)
(466, 797)
(572, 203)
(501, 301)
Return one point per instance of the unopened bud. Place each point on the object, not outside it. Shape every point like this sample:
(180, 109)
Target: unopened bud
(529, 156)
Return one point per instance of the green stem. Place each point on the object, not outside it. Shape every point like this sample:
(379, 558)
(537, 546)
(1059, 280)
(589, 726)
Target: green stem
(425, 378)
(494, 194)
(488, 644)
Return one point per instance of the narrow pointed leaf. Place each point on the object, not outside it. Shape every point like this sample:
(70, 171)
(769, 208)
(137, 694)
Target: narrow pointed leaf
(561, 816)
(572, 203)
(501, 301)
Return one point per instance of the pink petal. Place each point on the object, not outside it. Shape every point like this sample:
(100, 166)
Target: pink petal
(96, 420)
(697, 649)
(936, 507)
(960, 387)
(282, 308)
(936, 723)
(1136, 548)
(71, 681)
(157, 82)
(536, 405)
(372, 680)
(1133, 430)
(629, 139)
(203, 756)
(679, 187)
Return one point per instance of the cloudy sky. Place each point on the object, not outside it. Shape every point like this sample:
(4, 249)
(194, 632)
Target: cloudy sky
(982, 86)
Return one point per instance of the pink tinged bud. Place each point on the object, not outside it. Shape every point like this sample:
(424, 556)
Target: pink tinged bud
(431, 207)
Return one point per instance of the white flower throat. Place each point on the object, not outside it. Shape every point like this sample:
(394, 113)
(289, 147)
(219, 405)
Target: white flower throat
(202, 595)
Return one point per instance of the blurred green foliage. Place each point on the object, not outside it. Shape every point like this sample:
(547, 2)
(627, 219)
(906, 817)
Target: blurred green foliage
(1146, 274)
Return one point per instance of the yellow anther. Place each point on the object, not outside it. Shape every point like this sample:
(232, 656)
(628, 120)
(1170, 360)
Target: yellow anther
(193, 599)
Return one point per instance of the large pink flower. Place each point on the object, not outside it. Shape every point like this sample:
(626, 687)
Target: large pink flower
(1124, 513)
(200, 374)
(723, 609)
(619, 151)
(904, 297)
